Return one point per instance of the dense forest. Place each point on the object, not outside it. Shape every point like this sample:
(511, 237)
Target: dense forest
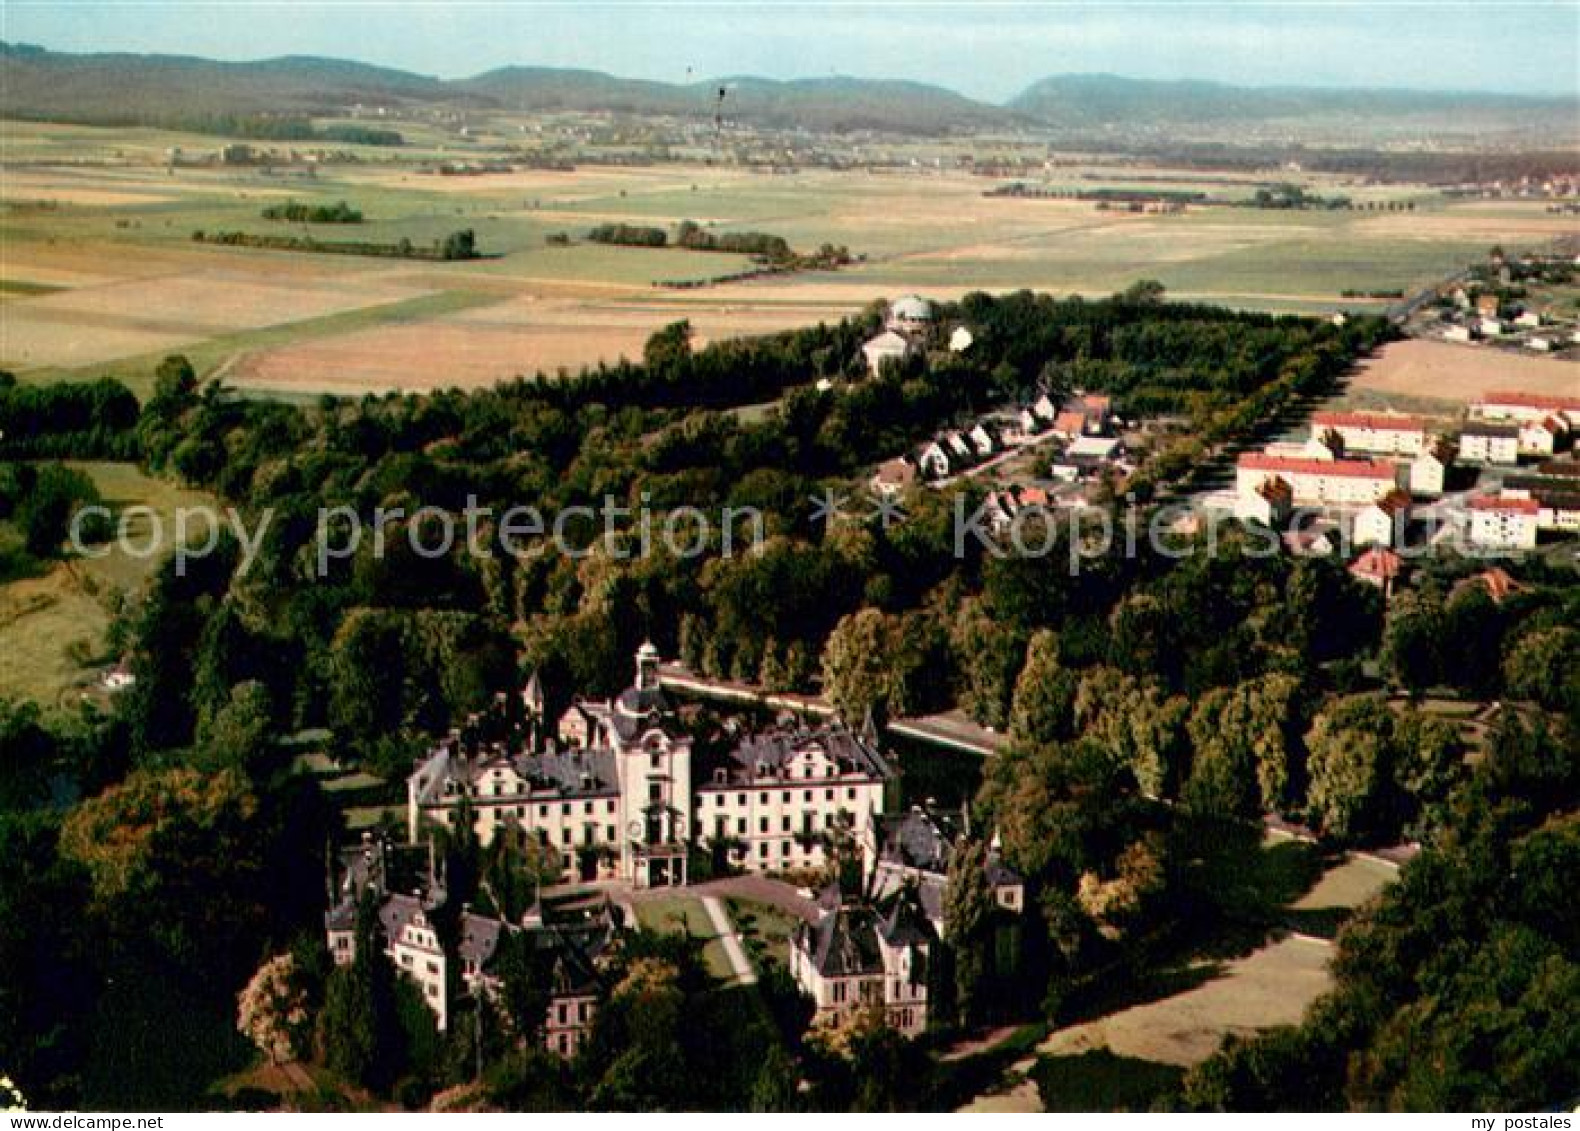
(1157, 704)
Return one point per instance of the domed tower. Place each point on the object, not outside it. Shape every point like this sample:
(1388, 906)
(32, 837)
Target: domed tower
(654, 764)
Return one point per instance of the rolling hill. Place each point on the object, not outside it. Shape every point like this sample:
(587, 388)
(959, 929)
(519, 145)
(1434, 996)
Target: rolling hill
(161, 89)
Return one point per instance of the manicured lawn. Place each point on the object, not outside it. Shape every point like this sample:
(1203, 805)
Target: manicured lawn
(765, 930)
(684, 914)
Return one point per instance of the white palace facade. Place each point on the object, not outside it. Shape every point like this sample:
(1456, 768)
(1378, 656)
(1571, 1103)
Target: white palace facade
(617, 791)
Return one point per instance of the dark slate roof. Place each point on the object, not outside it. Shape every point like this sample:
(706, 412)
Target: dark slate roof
(398, 910)
(920, 838)
(774, 749)
(1487, 428)
(479, 938)
(905, 924)
(843, 943)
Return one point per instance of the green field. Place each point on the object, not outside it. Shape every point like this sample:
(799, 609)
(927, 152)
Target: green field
(54, 625)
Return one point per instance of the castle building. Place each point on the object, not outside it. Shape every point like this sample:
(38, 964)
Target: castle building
(856, 958)
(446, 954)
(616, 791)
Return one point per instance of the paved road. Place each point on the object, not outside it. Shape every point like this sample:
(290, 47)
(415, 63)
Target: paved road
(744, 973)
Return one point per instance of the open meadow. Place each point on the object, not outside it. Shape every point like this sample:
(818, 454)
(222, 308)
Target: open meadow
(99, 273)
(55, 623)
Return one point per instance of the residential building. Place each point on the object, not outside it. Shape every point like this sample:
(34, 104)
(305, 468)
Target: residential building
(1504, 522)
(1384, 522)
(1380, 567)
(1507, 404)
(934, 461)
(887, 346)
(1429, 470)
(1377, 432)
(894, 476)
(1542, 437)
(1317, 481)
(1270, 504)
(1482, 441)
(983, 440)
(1461, 334)
(856, 958)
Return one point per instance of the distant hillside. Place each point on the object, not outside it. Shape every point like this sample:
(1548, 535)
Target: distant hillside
(831, 104)
(158, 89)
(155, 88)
(172, 89)
(1094, 102)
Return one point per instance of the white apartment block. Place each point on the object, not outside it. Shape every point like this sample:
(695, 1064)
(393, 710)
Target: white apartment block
(1484, 442)
(1506, 404)
(1429, 470)
(1340, 481)
(1377, 432)
(1504, 522)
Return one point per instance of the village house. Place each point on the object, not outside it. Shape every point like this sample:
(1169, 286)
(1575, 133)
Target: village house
(910, 315)
(1429, 470)
(1317, 481)
(1482, 441)
(887, 346)
(1384, 522)
(1069, 425)
(1504, 522)
(1377, 432)
(960, 340)
(613, 789)
(1380, 567)
(1495, 582)
(1461, 334)
(856, 958)
(894, 476)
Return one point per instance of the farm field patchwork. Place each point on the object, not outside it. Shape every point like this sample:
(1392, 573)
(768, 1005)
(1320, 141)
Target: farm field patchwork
(100, 274)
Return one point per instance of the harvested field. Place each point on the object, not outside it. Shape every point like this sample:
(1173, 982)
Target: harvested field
(497, 341)
(284, 321)
(91, 324)
(1450, 372)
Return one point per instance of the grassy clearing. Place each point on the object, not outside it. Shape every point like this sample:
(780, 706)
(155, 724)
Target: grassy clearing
(1100, 1081)
(55, 625)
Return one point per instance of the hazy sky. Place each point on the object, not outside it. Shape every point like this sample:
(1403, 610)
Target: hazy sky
(988, 50)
